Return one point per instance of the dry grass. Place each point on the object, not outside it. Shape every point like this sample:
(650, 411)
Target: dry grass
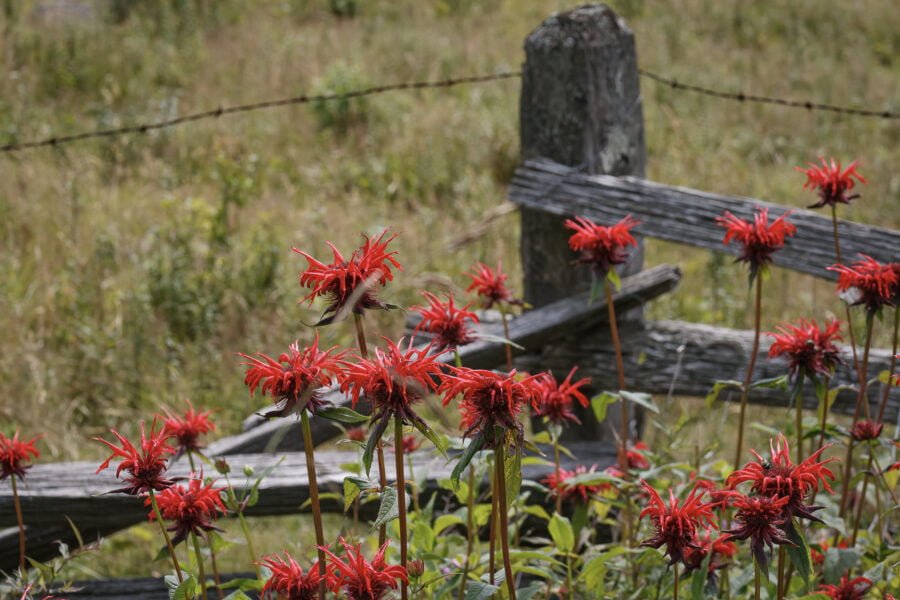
(134, 269)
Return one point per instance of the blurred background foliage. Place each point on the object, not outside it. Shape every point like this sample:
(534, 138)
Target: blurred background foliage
(134, 269)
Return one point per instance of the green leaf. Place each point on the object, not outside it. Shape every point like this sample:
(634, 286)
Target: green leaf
(542, 437)
(389, 509)
(561, 531)
(642, 399)
(237, 595)
(374, 437)
(465, 458)
(445, 521)
(779, 383)
(351, 492)
(799, 552)
(601, 402)
(243, 583)
(342, 414)
(479, 590)
(837, 562)
(699, 579)
(186, 590)
(435, 438)
(614, 279)
(713, 396)
(536, 510)
(512, 471)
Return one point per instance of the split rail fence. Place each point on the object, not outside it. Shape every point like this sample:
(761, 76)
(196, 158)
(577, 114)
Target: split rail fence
(583, 153)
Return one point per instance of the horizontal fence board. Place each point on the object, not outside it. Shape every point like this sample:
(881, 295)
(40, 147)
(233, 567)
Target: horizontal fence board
(59, 490)
(532, 330)
(687, 216)
(689, 358)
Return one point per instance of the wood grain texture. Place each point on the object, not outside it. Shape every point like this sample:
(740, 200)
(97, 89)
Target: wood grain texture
(688, 216)
(580, 105)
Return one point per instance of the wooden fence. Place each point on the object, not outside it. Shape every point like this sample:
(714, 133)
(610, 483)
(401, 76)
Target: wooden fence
(583, 154)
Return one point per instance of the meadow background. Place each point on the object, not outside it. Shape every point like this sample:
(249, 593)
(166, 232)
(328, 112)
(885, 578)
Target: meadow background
(132, 270)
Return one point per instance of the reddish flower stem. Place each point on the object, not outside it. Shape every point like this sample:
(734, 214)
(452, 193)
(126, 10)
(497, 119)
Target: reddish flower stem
(506, 346)
(748, 378)
(620, 373)
(798, 401)
(470, 530)
(215, 569)
(885, 390)
(20, 521)
(757, 577)
(502, 521)
(675, 589)
(781, 565)
(861, 400)
(837, 255)
(862, 498)
(379, 447)
(162, 527)
(492, 562)
(314, 497)
(401, 497)
(824, 413)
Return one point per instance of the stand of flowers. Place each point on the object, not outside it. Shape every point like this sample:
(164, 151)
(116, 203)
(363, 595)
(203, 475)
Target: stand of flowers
(811, 524)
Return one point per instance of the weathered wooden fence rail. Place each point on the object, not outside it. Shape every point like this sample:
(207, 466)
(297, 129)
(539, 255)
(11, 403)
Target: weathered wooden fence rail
(583, 153)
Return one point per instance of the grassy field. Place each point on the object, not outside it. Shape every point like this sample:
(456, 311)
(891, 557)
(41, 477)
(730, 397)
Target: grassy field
(134, 269)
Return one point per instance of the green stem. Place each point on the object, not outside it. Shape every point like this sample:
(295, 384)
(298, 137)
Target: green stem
(401, 497)
(756, 580)
(162, 527)
(502, 521)
(748, 378)
(675, 589)
(470, 531)
(200, 570)
(798, 401)
(314, 497)
(191, 461)
(825, 411)
(506, 346)
(20, 521)
(862, 498)
(886, 388)
(492, 535)
(215, 569)
(781, 565)
(556, 466)
(861, 402)
(244, 528)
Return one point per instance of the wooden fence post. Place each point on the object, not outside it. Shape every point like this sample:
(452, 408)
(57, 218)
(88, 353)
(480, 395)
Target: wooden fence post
(580, 106)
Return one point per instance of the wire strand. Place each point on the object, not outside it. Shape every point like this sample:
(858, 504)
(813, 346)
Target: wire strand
(421, 85)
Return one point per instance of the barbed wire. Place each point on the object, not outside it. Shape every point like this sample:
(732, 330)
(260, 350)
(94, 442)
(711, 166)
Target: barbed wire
(421, 85)
(742, 97)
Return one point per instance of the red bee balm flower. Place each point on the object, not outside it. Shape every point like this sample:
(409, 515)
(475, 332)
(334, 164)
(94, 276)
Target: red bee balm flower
(354, 280)
(14, 452)
(446, 322)
(721, 548)
(411, 443)
(294, 379)
(361, 579)
(868, 282)
(601, 247)
(808, 348)
(489, 399)
(831, 182)
(848, 589)
(393, 381)
(554, 400)
(778, 477)
(146, 468)
(676, 526)
(760, 238)
(187, 429)
(288, 580)
(563, 486)
(636, 458)
(491, 286)
(760, 519)
(866, 430)
(192, 508)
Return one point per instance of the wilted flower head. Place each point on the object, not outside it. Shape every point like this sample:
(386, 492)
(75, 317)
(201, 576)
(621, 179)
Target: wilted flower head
(354, 280)
(601, 247)
(446, 322)
(489, 400)
(192, 508)
(186, 429)
(847, 589)
(289, 582)
(676, 524)
(554, 400)
(294, 379)
(760, 238)
(411, 443)
(145, 467)
(831, 181)
(866, 430)
(721, 547)
(393, 380)
(868, 282)
(13, 453)
(636, 458)
(761, 520)
(361, 579)
(778, 477)
(562, 484)
(809, 349)
(490, 285)
(356, 434)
